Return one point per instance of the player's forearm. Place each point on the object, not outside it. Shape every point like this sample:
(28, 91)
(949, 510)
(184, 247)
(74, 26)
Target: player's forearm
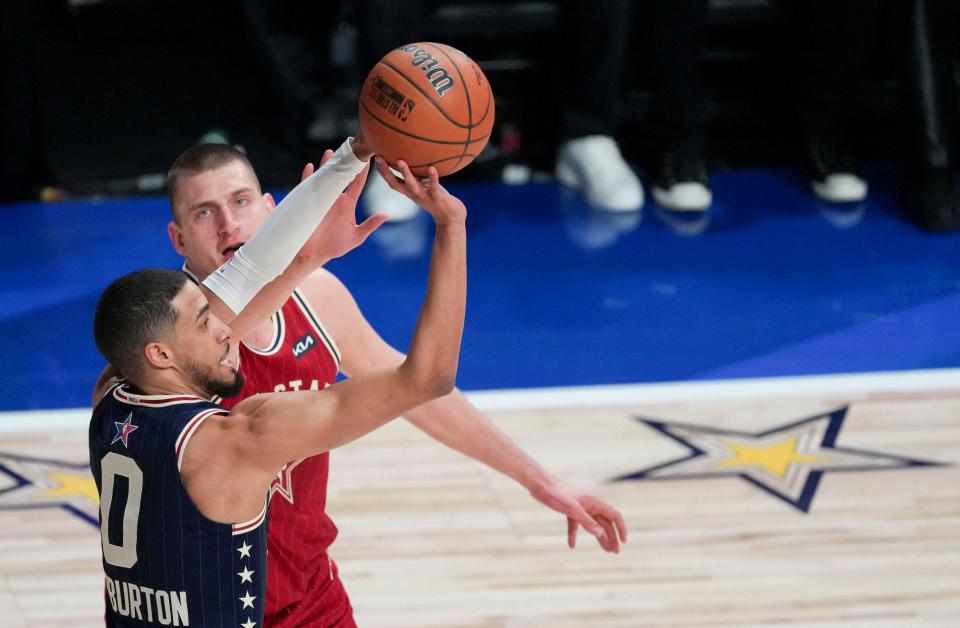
(455, 422)
(268, 300)
(435, 349)
(273, 247)
(305, 423)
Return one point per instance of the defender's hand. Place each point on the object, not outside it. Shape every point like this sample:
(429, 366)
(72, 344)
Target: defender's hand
(338, 233)
(581, 509)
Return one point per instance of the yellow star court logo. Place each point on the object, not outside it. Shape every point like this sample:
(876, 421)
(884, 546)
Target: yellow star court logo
(786, 461)
(28, 482)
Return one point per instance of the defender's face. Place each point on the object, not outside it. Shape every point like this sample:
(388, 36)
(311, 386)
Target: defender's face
(203, 348)
(217, 211)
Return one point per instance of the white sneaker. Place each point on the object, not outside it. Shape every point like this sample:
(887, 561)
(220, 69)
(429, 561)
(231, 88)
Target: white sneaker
(689, 196)
(840, 187)
(379, 198)
(594, 165)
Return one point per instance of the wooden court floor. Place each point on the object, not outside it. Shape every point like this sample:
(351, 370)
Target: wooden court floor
(794, 508)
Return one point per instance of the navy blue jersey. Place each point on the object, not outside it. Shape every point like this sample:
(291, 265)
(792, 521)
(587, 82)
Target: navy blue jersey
(165, 563)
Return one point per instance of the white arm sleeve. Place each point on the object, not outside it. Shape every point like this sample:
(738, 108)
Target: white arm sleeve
(271, 249)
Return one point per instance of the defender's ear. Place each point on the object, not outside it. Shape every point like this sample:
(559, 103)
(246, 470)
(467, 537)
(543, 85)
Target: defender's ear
(176, 237)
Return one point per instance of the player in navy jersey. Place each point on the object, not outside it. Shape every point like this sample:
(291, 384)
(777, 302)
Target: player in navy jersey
(166, 562)
(184, 482)
(218, 205)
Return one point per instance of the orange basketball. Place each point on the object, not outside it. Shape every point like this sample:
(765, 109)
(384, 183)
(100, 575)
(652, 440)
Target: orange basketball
(429, 105)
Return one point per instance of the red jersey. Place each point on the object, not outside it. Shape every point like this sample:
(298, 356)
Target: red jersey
(301, 584)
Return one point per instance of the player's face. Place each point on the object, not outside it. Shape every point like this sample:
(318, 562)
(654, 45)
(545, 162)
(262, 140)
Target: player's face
(217, 211)
(204, 353)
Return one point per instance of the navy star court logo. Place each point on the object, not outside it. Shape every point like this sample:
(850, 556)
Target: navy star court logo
(29, 482)
(785, 461)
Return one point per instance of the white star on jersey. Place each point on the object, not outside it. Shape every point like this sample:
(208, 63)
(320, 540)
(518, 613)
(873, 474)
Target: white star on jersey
(283, 482)
(245, 576)
(248, 623)
(247, 600)
(245, 550)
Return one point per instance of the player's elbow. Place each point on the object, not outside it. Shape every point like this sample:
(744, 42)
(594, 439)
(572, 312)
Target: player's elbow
(438, 385)
(443, 385)
(435, 388)
(430, 381)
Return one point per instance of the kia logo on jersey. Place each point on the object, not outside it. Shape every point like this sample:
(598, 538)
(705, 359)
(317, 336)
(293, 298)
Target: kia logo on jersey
(303, 345)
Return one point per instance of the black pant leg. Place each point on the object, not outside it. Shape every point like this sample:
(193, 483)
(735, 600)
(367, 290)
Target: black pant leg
(929, 82)
(677, 30)
(591, 77)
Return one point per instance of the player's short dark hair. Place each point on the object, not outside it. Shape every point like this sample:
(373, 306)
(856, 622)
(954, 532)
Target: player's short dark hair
(201, 158)
(134, 310)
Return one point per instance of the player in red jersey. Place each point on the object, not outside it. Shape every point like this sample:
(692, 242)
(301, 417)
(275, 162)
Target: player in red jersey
(299, 355)
(217, 206)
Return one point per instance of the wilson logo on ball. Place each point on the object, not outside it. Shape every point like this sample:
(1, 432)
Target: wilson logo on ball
(438, 75)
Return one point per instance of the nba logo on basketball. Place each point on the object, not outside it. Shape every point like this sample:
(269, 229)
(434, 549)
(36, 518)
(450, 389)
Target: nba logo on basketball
(390, 99)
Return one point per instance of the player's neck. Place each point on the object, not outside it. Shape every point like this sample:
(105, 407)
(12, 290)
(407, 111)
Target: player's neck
(169, 382)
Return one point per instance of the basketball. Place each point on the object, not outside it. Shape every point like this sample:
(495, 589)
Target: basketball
(429, 105)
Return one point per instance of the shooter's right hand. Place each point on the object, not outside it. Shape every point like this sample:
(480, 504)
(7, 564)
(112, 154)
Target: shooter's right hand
(425, 192)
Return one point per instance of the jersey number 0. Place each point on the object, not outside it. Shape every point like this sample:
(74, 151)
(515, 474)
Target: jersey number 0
(112, 465)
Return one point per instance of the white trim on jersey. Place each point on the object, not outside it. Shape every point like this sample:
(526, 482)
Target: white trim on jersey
(187, 432)
(314, 321)
(152, 401)
(279, 331)
(252, 524)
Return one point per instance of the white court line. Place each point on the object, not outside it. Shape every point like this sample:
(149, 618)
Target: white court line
(37, 420)
(613, 395)
(716, 390)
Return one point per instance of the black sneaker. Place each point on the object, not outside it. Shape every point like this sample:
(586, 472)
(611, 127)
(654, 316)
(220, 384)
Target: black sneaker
(681, 182)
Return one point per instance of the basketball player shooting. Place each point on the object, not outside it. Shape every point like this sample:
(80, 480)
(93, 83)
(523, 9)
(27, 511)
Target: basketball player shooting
(184, 482)
(217, 206)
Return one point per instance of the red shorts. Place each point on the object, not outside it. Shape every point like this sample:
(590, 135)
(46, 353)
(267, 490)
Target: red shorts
(325, 605)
